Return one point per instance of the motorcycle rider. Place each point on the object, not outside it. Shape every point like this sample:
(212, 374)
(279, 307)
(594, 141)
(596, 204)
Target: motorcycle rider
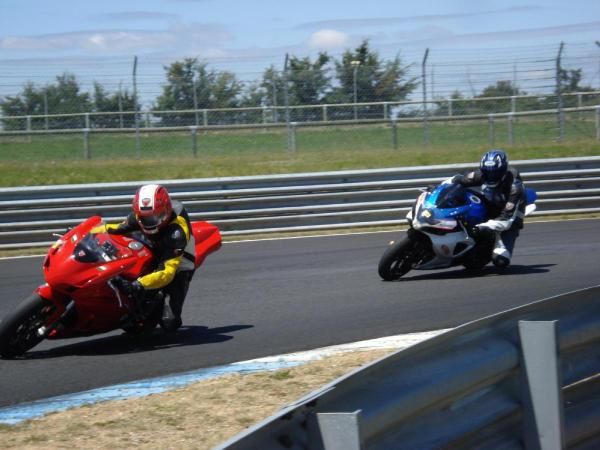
(167, 226)
(503, 187)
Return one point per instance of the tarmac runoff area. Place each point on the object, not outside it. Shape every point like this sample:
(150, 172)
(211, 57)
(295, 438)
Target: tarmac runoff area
(18, 413)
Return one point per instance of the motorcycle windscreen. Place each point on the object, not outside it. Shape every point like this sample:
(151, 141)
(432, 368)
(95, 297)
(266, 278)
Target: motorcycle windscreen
(448, 196)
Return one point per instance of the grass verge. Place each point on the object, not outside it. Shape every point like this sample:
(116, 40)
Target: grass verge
(58, 159)
(198, 416)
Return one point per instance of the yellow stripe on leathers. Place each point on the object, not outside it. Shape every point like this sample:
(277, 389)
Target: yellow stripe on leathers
(162, 278)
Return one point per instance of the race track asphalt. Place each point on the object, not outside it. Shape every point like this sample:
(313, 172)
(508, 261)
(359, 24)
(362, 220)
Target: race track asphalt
(254, 299)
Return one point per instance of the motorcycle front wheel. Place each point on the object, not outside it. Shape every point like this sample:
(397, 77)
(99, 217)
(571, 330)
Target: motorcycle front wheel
(398, 259)
(19, 329)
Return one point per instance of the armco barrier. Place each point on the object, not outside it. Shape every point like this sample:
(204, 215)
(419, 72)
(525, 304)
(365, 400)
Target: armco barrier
(496, 383)
(262, 204)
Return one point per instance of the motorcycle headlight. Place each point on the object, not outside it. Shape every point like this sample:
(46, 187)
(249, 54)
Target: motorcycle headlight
(444, 224)
(426, 217)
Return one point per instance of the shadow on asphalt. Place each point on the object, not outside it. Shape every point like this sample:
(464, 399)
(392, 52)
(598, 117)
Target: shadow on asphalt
(488, 271)
(124, 343)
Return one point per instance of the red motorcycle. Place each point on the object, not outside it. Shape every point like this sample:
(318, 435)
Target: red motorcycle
(83, 293)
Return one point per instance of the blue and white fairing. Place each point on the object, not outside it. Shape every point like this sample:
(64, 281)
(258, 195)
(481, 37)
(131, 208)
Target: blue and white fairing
(444, 214)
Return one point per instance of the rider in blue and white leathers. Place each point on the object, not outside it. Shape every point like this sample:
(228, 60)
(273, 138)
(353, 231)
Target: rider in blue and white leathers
(504, 190)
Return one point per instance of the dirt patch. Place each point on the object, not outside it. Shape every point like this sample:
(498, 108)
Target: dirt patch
(198, 416)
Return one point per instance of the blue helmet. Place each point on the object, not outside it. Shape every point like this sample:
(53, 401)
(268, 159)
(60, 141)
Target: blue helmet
(493, 166)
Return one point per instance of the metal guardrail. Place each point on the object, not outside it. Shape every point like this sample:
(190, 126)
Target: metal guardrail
(279, 203)
(493, 383)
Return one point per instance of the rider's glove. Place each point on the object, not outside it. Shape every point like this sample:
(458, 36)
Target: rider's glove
(457, 179)
(132, 288)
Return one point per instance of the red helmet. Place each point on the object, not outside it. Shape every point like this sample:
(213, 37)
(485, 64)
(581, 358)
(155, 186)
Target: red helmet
(152, 207)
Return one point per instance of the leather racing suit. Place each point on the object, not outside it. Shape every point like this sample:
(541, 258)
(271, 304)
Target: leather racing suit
(173, 248)
(506, 203)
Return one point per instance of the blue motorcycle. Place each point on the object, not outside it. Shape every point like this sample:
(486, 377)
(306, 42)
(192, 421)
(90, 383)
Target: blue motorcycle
(442, 232)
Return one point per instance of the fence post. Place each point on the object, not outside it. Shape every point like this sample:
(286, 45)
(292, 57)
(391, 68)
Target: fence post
(395, 134)
(511, 129)
(543, 402)
(425, 112)
(194, 130)
(598, 123)
(513, 104)
(492, 130)
(86, 144)
(450, 107)
(87, 120)
(205, 119)
(385, 110)
(136, 116)
(292, 136)
(46, 124)
(324, 113)
(28, 125)
(560, 116)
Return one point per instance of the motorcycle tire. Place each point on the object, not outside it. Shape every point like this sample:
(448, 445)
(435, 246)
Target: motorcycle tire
(19, 329)
(397, 259)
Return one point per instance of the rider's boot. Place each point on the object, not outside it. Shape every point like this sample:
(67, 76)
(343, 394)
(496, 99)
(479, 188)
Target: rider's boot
(171, 316)
(501, 255)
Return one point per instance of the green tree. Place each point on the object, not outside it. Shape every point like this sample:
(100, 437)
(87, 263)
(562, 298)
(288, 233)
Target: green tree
(268, 92)
(191, 84)
(570, 80)
(115, 102)
(62, 97)
(375, 80)
(308, 80)
(502, 88)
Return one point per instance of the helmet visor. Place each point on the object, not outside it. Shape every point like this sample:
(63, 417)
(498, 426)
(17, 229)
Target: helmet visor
(151, 222)
(492, 176)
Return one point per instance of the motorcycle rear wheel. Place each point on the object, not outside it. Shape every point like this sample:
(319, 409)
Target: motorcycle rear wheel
(398, 259)
(19, 330)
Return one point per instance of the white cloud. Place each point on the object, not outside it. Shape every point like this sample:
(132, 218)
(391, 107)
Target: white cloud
(175, 38)
(328, 40)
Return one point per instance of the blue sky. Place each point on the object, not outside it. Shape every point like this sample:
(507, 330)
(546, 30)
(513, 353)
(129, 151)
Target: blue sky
(250, 35)
(33, 28)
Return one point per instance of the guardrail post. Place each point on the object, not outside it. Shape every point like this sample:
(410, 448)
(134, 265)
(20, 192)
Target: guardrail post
(395, 134)
(194, 130)
(492, 130)
(511, 129)
(86, 144)
(544, 416)
(340, 431)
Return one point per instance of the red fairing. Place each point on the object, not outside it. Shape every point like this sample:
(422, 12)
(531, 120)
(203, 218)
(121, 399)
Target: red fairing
(208, 240)
(79, 268)
(88, 274)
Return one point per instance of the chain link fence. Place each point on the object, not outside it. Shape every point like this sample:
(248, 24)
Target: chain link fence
(432, 111)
